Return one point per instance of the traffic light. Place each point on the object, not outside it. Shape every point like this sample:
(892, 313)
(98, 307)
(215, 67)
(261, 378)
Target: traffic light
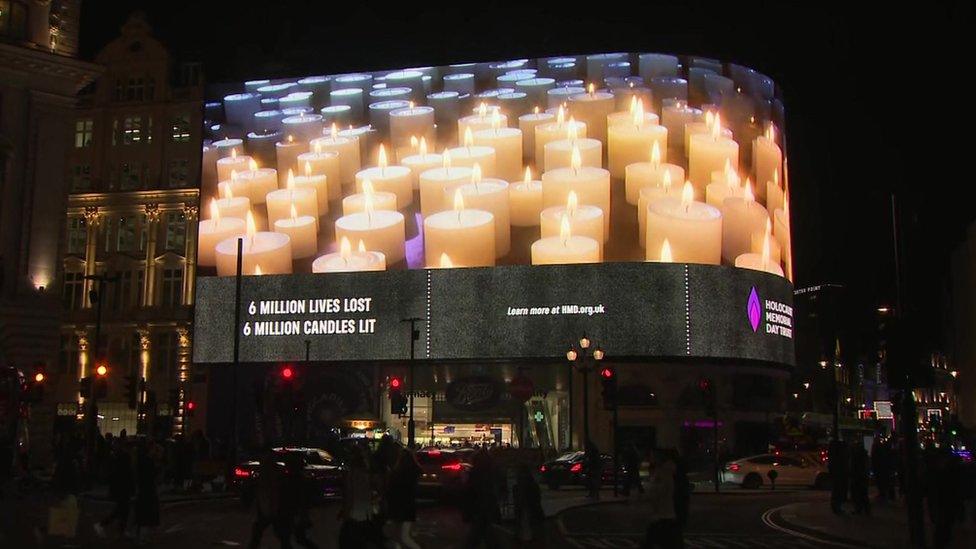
(398, 401)
(608, 379)
(189, 408)
(287, 373)
(101, 381)
(132, 391)
(708, 395)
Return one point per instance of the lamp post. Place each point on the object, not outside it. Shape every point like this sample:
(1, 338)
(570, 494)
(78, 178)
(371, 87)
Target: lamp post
(577, 356)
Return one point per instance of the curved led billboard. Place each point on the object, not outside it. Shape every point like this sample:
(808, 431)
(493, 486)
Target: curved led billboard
(639, 198)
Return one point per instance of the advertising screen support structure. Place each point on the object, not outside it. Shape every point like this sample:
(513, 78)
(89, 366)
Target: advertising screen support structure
(414, 336)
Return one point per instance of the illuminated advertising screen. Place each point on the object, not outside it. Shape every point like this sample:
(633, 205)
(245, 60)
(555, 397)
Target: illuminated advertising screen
(641, 199)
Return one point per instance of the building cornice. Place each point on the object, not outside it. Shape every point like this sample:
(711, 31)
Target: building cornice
(113, 200)
(67, 73)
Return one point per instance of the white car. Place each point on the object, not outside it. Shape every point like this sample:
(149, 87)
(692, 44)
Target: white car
(794, 470)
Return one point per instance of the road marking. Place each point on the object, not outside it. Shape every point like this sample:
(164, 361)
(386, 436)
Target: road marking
(767, 519)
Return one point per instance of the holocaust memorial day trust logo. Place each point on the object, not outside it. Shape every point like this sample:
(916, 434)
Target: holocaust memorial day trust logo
(774, 316)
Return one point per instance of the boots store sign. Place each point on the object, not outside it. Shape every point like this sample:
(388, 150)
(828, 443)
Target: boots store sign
(633, 309)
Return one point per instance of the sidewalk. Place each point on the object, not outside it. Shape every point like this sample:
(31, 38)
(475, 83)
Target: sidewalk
(557, 501)
(887, 527)
(166, 495)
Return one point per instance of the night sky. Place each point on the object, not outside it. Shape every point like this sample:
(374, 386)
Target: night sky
(872, 98)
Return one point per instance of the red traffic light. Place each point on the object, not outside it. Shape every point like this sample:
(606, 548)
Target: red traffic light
(101, 370)
(191, 405)
(395, 383)
(287, 372)
(606, 373)
(704, 384)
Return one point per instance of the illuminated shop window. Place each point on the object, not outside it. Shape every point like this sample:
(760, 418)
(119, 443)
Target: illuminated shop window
(132, 130)
(181, 128)
(84, 132)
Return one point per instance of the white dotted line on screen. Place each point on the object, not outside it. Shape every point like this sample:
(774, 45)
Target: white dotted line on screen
(687, 314)
(427, 326)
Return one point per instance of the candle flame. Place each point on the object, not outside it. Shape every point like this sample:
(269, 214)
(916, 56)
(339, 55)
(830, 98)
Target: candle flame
(560, 116)
(639, 113)
(367, 186)
(572, 203)
(666, 181)
(294, 213)
(290, 183)
(575, 160)
(765, 250)
(786, 206)
(717, 127)
(258, 271)
(233, 152)
(458, 201)
(496, 119)
(252, 228)
(361, 248)
(368, 204)
(334, 131)
(317, 147)
(666, 256)
(252, 165)
(308, 169)
(571, 132)
(468, 137)
(535, 109)
(528, 175)
(482, 110)
(233, 176)
(776, 177)
(214, 211)
(565, 229)
(447, 159)
(291, 138)
(633, 103)
(476, 173)
(423, 146)
(229, 191)
(591, 88)
(381, 161)
(709, 119)
(446, 262)
(731, 176)
(771, 132)
(345, 249)
(413, 142)
(750, 198)
(410, 104)
(656, 154)
(687, 194)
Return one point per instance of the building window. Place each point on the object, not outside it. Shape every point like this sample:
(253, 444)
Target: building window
(77, 235)
(123, 291)
(126, 234)
(135, 90)
(131, 176)
(175, 231)
(181, 128)
(132, 130)
(68, 362)
(178, 173)
(81, 178)
(190, 74)
(74, 289)
(165, 349)
(172, 288)
(84, 132)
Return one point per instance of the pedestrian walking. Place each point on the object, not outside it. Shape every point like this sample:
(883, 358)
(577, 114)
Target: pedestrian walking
(881, 466)
(663, 531)
(593, 467)
(632, 462)
(859, 481)
(528, 508)
(401, 499)
(838, 466)
(356, 514)
(147, 496)
(481, 510)
(944, 496)
(120, 489)
(682, 496)
(295, 501)
(267, 499)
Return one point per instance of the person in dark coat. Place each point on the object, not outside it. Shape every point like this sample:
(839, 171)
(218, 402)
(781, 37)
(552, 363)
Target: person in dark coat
(481, 506)
(838, 466)
(859, 481)
(881, 466)
(528, 507)
(295, 502)
(401, 499)
(268, 502)
(632, 461)
(120, 489)
(682, 496)
(147, 497)
(593, 466)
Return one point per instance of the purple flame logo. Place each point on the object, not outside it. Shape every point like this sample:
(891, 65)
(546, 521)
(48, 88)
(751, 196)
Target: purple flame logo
(754, 310)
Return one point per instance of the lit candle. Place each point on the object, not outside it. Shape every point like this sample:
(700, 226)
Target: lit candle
(628, 143)
(357, 202)
(584, 220)
(781, 225)
(702, 127)
(665, 255)
(708, 153)
(317, 182)
(412, 121)
(692, 229)
(303, 127)
(233, 206)
(767, 158)
(507, 143)
(554, 131)
(322, 162)
(481, 120)
(257, 182)
(287, 152)
(214, 230)
(348, 150)
(559, 153)
(302, 232)
(592, 108)
(466, 236)
(434, 182)
(235, 186)
(281, 201)
(759, 261)
(639, 175)
(348, 261)
(565, 248)
(470, 154)
(674, 117)
(490, 195)
(765, 238)
(386, 178)
(528, 124)
(723, 186)
(264, 253)
(774, 193)
(741, 218)
(421, 162)
(592, 186)
(380, 230)
(232, 163)
(630, 116)
(646, 196)
(525, 199)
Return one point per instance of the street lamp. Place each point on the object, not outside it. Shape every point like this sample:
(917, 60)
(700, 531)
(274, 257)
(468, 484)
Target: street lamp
(578, 360)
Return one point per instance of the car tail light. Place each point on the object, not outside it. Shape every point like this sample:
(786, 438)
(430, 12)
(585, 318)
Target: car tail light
(542, 469)
(241, 473)
(734, 467)
(576, 468)
(451, 466)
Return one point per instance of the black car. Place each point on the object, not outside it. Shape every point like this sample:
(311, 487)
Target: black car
(322, 473)
(569, 468)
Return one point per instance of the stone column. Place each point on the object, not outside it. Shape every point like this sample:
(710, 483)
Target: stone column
(152, 233)
(183, 359)
(39, 23)
(83, 358)
(92, 219)
(191, 213)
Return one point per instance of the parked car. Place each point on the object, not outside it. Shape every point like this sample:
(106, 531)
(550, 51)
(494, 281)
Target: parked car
(569, 468)
(322, 473)
(443, 470)
(791, 470)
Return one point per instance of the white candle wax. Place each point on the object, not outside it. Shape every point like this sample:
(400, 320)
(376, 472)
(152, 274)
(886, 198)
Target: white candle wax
(383, 231)
(674, 117)
(303, 234)
(556, 250)
(692, 229)
(767, 162)
(645, 197)
(525, 200)
(320, 184)
(419, 163)
(741, 218)
(325, 163)
(639, 175)
(228, 146)
(559, 153)
(592, 108)
(271, 252)
(775, 251)
(355, 203)
(592, 186)
(490, 195)
(584, 220)
(393, 179)
(411, 122)
(707, 154)
(757, 263)
(528, 124)
(697, 128)
(507, 143)
(213, 231)
(258, 183)
(349, 155)
(435, 182)
(237, 207)
(353, 263)
(476, 122)
(717, 191)
(626, 118)
(229, 164)
(774, 196)
(467, 237)
(555, 131)
(475, 154)
(281, 201)
(287, 152)
(629, 144)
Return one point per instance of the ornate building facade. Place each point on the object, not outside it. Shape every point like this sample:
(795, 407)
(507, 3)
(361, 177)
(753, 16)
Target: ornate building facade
(39, 80)
(132, 209)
